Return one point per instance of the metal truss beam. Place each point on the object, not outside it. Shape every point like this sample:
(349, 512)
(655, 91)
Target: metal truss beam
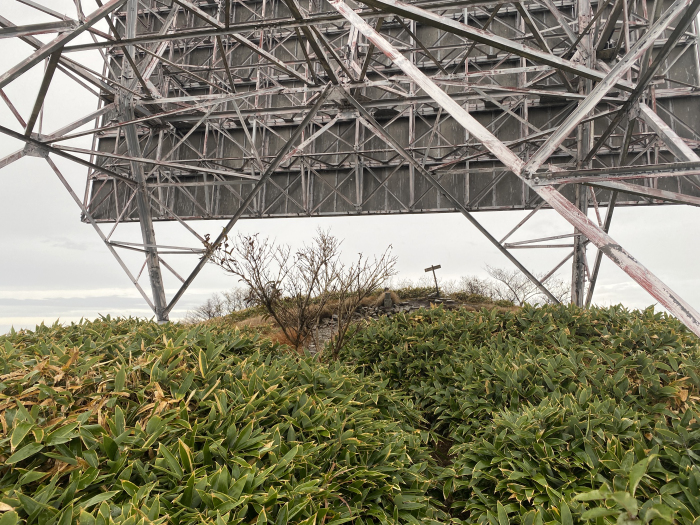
(285, 153)
(600, 175)
(38, 29)
(648, 72)
(43, 89)
(672, 301)
(648, 192)
(41, 149)
(59, 42)
(488, 38)
(674, 143)
(143, 202)
(70, 67)
(615, 75)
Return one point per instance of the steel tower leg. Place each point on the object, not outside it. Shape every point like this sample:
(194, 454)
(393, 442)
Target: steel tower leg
(584, 140)
(578, 270)
(142, 199)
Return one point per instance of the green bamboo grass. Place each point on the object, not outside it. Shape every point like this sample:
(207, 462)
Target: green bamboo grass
(541, 406)
(537, 416)
(127, 422)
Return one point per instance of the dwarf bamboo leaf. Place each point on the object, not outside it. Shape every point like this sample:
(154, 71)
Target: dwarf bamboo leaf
(9, 518)
(171, 460)
(25, 452)
(21, 430)
(86, 518)
(66, 515)
(186, 456)
(185, 385)
(110, 447)
(120, 380)
(99, 498)
(130, 488)
(636, 474)
(502, 515)
(237, 488)
(566, 518)
(62, 434)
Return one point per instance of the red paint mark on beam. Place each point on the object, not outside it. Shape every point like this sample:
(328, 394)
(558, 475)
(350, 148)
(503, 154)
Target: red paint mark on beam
(616, 253)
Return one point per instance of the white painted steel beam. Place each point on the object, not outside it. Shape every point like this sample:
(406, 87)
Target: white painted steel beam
(678, 169)
(43, 89)
(647, 192)
(675, 143)
(67, 65)
(58, 42)
(616, 74)
(161, 163)
(37, 29)
(488, 38)
(143, 202)
(43, 150)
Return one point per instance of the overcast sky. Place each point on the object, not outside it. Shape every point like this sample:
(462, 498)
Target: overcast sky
(53, 267)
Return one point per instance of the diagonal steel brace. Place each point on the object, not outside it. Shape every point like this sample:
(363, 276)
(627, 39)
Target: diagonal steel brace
(667, 297)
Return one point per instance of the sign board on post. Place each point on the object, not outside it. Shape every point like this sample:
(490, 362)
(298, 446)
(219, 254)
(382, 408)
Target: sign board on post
(432, 269)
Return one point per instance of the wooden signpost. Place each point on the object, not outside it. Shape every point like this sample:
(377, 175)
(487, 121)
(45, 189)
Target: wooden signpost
(432, 269)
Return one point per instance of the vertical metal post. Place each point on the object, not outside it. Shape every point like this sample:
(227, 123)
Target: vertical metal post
(143, 203)
(599, 255)
(584, 143)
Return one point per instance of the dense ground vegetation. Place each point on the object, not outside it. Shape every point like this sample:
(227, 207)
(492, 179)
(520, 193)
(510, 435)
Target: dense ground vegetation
(540, 415)
(130, 422)
(544, 404)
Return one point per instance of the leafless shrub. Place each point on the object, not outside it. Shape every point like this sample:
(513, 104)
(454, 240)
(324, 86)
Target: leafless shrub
(218, 305)
(425, 281)
(475, 286)
(448, 287)
(503, 285)
(290, 285)
(401, 283)
(235, 300)
(515, 287)
(352, 285)
(296, 288)
(209, 310)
